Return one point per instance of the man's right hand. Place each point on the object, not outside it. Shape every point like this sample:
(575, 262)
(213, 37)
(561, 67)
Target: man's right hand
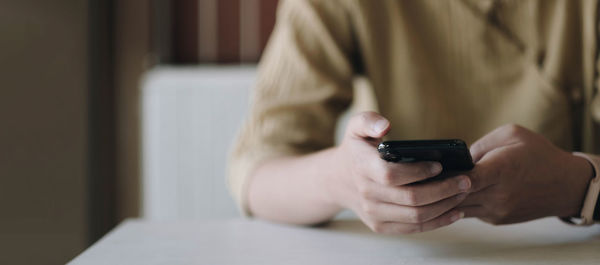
(384, 194)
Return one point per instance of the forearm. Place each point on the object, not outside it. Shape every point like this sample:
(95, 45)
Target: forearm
(294, 189)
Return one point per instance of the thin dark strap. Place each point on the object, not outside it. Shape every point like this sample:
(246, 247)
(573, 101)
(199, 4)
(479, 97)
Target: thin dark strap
(596, 215)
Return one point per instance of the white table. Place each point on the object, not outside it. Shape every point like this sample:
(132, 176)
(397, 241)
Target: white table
(237, 241)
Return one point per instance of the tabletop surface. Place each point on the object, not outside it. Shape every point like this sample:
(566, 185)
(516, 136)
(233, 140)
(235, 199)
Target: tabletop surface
(239, 241)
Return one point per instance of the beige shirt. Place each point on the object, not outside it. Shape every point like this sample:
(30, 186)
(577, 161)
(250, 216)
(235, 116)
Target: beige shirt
(438, 69)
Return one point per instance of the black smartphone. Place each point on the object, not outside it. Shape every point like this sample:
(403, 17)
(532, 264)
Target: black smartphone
(453, 154)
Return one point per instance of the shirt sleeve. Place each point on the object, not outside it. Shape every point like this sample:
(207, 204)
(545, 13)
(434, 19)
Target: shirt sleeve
(304, 83)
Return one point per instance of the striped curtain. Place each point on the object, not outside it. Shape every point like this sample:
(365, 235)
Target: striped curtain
(212, 31)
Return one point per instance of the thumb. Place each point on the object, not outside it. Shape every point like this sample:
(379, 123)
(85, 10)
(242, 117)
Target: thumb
(367, 125)
(494, 139)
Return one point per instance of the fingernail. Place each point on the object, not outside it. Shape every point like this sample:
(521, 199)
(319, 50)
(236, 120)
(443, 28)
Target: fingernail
(464, 184)
(380, 125)
(435, 168)
(457, 216)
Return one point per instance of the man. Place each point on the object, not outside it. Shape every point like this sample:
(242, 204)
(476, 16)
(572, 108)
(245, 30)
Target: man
(516, 79)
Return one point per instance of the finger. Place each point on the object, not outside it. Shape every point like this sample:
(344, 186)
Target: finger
(485, 174)
(419, 194)
(433, 191)
(477, 198)
(389, 212)
(498, 137)
(367, 125)
(390, 173)
(473, 211)
(402, 228)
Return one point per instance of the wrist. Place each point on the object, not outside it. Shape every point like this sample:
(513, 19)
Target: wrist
(332, 180)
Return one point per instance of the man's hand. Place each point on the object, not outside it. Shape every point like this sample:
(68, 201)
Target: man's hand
(519, 176)
(384, 194)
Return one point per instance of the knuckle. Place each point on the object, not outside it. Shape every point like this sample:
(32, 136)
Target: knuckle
(502, 199)
(387, 177)
(477, 146)
(513, 129)
(364, 192)
(411, 198)
(358, 117)
(490, 220)
(416, 215)
(451, 184)
(378, 227)
(368, 208)
(503, 212)
(492, 216)
(363, 117)
(419, 228)
(413, 229)
(500, 216)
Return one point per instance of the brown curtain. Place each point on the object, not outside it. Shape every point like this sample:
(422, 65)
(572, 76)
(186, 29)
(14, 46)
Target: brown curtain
(214, 31)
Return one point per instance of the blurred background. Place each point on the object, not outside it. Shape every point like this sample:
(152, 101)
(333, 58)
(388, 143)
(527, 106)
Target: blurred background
(117, 109)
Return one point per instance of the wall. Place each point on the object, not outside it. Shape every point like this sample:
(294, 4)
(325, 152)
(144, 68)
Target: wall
(43, 109)
(132, 58)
